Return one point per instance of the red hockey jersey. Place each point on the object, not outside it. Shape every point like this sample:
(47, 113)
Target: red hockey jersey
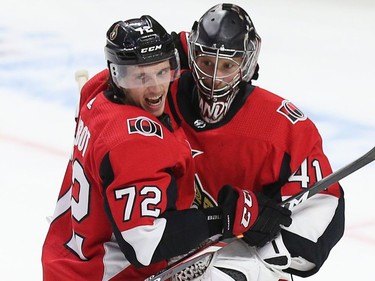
(264, 143)
(126, 171)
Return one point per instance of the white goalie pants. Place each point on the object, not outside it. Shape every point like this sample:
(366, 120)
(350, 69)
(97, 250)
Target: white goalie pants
(240, 257)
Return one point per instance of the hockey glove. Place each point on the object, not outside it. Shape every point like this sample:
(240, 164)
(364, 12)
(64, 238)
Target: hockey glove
(251, 214)
(214, 220)
(240, 210)
(268, 224)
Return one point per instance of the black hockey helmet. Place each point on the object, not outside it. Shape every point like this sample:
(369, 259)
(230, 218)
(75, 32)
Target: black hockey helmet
(224, 25)
(225, 32)
(139, 41)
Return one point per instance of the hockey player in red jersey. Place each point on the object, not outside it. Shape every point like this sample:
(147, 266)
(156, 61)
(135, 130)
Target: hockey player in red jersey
(248, 139)
(123, 206)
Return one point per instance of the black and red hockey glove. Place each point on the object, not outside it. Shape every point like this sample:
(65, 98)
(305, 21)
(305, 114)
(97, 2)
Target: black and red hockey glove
(251, 214)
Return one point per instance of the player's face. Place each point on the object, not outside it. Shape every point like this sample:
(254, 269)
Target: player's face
(147, 86)
(218, 72)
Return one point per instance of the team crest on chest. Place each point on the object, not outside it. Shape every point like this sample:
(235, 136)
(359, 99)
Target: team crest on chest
(144, 126)
(202, 198)
(290, 111)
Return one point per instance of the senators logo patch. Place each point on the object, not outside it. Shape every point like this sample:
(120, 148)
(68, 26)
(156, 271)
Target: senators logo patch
(202, 199)
(291, 112)
(144, 126)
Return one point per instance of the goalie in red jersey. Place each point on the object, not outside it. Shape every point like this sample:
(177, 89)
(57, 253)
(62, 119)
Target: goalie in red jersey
(123, 206)
(256, 143)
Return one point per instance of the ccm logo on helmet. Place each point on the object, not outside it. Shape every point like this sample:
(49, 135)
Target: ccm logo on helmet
(151, 49)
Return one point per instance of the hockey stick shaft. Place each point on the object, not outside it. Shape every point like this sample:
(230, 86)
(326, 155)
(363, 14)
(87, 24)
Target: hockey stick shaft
(81, 77)
(214, 245)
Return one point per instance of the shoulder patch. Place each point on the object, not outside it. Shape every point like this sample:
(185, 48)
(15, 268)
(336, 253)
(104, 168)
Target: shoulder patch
(144, 126)
(290, 111)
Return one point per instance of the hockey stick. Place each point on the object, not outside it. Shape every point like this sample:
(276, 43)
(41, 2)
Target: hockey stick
(210, 246)
(213, 244)
(81, 77)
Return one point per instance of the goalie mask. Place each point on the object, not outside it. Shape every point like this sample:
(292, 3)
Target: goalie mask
(134, 44)
(223, 51)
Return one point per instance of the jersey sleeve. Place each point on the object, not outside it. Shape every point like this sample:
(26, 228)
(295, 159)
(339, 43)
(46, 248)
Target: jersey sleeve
(140, 181)
(310, 243)
(95, 85)
(181, 43)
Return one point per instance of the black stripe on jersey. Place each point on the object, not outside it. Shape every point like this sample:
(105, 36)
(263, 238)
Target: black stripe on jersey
(107, 176)
(273, 190)
(172, 107)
